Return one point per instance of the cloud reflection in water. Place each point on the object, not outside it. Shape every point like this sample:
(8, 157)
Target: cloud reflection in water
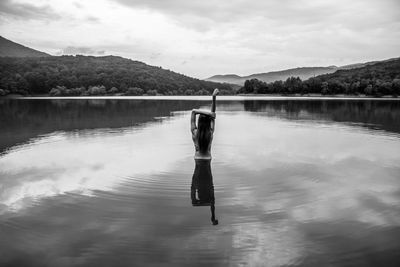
(287, 192)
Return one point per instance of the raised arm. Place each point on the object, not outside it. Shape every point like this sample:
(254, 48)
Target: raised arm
(193, 126)
(193, 121)
(213, 107)
(204, 112)
(214, 100)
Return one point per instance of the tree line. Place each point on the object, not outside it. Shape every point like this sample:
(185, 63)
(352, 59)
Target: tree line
(380, 79)
(110, 75)
(88, 75)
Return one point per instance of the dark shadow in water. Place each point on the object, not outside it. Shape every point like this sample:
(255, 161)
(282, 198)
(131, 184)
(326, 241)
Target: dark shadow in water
(202, 189)
(23, 119)
(372, 114)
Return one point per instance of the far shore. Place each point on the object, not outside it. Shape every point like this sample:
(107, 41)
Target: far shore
(206, 97)
(319, 96)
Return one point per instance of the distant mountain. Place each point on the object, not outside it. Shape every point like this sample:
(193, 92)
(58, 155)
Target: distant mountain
(11, 49)
(303, 73)
(383, 71)
(361, 65)
(381, 78)
(357, 65)
(227, 78)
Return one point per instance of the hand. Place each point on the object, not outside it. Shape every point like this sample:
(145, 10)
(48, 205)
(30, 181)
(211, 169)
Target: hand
(216, 92)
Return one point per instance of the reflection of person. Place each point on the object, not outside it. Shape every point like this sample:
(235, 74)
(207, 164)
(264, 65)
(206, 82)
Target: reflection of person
(202, 190)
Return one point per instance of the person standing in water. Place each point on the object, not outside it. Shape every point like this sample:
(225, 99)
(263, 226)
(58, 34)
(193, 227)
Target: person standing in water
(202, 134)
(202, 189)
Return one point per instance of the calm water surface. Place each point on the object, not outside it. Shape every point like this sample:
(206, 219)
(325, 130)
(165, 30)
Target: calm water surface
(108, 183)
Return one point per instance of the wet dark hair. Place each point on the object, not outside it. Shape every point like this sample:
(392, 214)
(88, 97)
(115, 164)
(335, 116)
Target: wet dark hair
(204, 132)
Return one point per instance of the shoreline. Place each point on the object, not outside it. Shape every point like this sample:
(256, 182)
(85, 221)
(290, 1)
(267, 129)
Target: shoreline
(339, 96)
(243, 97)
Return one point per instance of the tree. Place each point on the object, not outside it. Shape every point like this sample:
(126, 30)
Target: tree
(248, 88)
(134, 91)
(58, 91)
(152, 92)
(96, 90)
(41, 75)
(368, 90)
(189, 92)
(324, 88)
(112, 91)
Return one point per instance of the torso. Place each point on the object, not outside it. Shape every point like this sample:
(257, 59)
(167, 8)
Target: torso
(197, 154)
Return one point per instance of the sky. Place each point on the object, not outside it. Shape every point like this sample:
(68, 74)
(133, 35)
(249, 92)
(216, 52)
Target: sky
(201, 38)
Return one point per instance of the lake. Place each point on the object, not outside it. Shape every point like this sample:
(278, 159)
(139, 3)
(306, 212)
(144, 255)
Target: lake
(107, 182)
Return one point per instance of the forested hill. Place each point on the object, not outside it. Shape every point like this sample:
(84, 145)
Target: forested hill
(378, 79)
(303, 73)
(88, 75)
(10, 49)
(379, 70)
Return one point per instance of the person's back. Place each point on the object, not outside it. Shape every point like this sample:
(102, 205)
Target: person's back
(202, 137)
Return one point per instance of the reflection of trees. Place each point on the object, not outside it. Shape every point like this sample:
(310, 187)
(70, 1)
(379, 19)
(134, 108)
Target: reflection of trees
(21, 120)
(380, 114)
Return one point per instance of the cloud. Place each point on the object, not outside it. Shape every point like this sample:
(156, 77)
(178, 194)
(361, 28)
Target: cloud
(27, 11)
(212, 36)
(77, 5)
(82, 50)
(92, 19)
(155, 55)
(207, 15)
(199, 15)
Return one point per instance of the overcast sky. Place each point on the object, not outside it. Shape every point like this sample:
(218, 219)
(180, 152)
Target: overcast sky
(201, 38)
